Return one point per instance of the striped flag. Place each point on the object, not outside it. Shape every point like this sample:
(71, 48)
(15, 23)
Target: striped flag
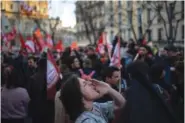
(116, 59)
(52, 70)
(52, 76)
(30, 45)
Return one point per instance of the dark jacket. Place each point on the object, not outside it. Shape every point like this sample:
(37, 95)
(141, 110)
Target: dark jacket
(38, 94)
(145, 105)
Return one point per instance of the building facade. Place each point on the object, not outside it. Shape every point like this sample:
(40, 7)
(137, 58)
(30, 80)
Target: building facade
(17, 17)
(13, 15)
(120, 15)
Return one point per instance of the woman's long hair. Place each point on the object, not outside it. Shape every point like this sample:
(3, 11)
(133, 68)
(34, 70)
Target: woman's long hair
(12, 78)
(71, 97)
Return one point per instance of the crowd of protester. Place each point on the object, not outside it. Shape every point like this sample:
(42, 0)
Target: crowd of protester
(152, 86)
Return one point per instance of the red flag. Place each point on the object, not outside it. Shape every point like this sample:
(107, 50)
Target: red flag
(22, 41)
(40, 44)
(100, 47)
(30, 45)
(115, 60)
(74, 45)
(59, 46)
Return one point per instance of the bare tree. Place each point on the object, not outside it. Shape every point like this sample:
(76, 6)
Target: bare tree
(144, 6)
(87, 18)
(168, 8)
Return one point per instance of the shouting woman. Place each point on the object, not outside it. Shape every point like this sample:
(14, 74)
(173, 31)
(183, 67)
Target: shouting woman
(77, 96)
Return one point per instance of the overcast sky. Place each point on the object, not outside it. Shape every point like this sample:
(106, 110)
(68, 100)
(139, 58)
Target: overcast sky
(64, 10)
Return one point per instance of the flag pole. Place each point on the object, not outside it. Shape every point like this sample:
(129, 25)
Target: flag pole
(119, 65)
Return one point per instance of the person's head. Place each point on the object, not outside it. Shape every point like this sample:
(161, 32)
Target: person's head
(31, 62)
(171, 50)
(42, 64)
(74, 95)
(143, 50)
(74, 62)
(137, 69)
(64, 68)
(112, 75)
(163, 53)
(90, 51)
(12, 78)
(157, 72)
(87, 63)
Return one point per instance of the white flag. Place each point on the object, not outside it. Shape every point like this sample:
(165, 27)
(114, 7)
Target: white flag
(30, 46)
(115, 60)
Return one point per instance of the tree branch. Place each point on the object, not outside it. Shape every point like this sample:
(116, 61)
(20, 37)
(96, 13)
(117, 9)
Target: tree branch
(53, 29)
(149, 24)
(85, 24)
(177, 24)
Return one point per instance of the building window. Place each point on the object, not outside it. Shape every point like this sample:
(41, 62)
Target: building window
(148, 15)
(119, 4)
(120, 31)
(160, 34)
(112, 35)
(129, 4)
(11, 6)
(111, 6)
(159, 19)
(35, 8)
(182, 32)
(149, 35)
(112, 24)
(120, 18)
(112, 20)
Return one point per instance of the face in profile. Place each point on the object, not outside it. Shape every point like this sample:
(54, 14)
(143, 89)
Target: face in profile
(142, 50)
(76, 63)
(88, 90)
(115, 78)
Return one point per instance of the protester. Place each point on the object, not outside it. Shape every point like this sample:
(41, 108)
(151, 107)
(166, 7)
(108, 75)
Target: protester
(78, 95)
(14, 98)
(73, 64)
(144, 104)
(157, 74)
(111, 77)
(150, 78)
(39, 106)
(32, 66)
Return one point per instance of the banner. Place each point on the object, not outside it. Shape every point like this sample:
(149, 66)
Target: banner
(52, 71)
